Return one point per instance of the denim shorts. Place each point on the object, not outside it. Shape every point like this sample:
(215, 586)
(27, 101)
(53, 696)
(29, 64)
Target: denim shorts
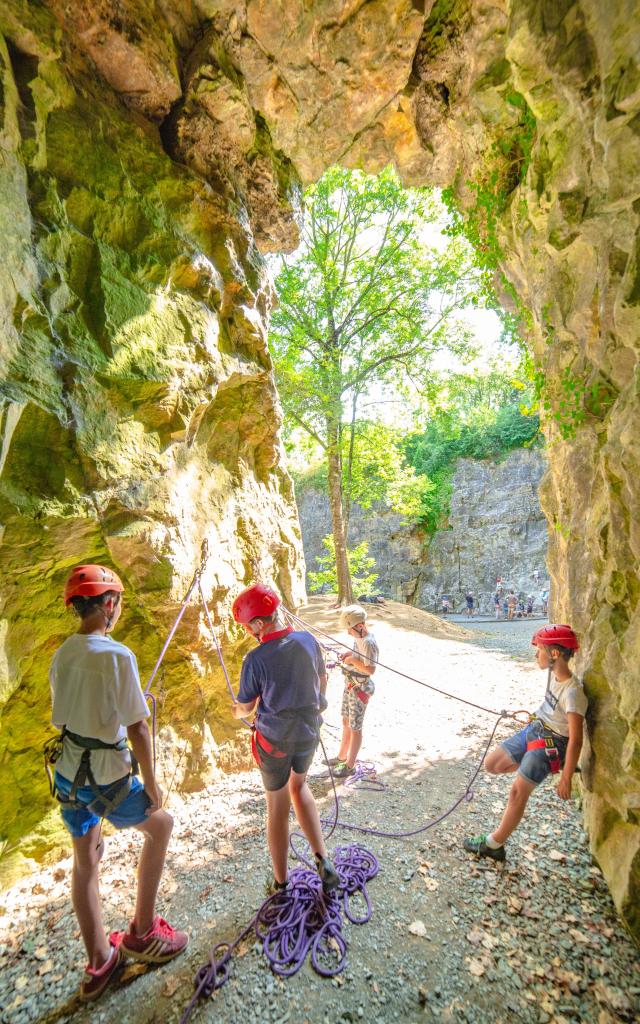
(131, 812)
(534, 764)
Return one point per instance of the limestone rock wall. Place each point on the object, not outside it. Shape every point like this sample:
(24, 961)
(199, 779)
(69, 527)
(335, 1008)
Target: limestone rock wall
(496, 528)
(152, 148)
(138, 415)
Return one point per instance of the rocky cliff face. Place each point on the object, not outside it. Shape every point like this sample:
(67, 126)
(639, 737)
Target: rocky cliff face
(496, 528)
(153, 148)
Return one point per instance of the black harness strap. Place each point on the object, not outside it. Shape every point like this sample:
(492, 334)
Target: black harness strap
(104, 802)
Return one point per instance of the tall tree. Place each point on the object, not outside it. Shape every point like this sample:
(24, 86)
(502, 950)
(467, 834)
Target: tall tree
(363, 303)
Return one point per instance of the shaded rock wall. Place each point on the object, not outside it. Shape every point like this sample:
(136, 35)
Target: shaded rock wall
(496, 528)
(195, 119)
(138, 415)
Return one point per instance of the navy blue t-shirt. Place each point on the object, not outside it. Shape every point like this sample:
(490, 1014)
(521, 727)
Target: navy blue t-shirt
(285, 674)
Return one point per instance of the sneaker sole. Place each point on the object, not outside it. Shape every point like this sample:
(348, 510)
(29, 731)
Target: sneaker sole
(151, 958)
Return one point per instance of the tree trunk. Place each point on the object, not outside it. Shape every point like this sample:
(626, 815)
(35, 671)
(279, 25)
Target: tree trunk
(345, 589)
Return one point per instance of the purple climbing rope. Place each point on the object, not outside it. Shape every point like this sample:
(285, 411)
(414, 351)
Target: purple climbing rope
(150, 696)
(219, 651)
(466, 797)
(299, 921)
(365, 776)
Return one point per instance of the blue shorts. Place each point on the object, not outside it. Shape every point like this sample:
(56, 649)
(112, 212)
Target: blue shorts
(534, 764)
(132, 810)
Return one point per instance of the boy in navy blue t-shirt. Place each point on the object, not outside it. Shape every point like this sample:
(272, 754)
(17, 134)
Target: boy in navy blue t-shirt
(284, 681)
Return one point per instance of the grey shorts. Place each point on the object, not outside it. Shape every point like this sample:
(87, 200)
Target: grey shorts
(534, 765)
(354, 707)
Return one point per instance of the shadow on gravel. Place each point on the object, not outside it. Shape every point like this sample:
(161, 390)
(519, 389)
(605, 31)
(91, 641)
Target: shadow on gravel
(451, 939)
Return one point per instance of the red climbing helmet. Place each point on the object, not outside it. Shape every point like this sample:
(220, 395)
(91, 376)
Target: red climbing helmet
(90, 581)
(254, 602)
(550, 636)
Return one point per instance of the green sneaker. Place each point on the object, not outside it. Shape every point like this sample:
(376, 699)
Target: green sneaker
(478, 845)
(343, 771)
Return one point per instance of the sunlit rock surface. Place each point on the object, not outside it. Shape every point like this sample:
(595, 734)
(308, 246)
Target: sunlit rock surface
(495, 528)
(150, 152)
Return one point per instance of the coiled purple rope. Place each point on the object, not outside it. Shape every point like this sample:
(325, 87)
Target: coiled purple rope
(299, 921)
(365, 776)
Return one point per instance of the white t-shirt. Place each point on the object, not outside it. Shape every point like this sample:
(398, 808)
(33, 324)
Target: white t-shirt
(559, 699)
(366, 647)
(95, 692)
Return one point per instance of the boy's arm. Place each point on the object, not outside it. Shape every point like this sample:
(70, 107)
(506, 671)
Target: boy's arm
(240, 710)
(140, 740)
(365, 668)
(576, 722)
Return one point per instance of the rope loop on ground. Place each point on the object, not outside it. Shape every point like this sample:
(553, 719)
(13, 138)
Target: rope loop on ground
(299, 921)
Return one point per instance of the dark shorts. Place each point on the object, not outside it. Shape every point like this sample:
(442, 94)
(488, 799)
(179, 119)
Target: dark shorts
(534, 765)
(128, 814)
(276, 770)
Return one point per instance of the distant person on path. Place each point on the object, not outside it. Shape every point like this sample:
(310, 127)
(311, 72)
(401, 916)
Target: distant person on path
(99, 706)
(530, 605)
(284, 680)
(521, 609)
(550, 744)
(445, 604)
(544, 597)
(497, 605)
(505, 608)
(359, 687)
(469, 598)
(512, 604)
(499, 586)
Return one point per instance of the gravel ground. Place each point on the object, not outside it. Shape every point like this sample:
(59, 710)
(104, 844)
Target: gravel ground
(534, 940)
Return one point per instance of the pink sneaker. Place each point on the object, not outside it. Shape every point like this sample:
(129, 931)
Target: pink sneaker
(160, 944)
(94, 981)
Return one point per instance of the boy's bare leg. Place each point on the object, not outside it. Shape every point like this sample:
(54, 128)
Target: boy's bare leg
(498, 762)
(345, 742)
(307, 812)
(278, 806)
(354, 746)
(157, 832)
(85, 895)
(519, 793)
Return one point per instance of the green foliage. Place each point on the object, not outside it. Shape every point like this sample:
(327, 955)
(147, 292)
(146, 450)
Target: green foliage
(363, 302)
(380, 471)
(480, 417)
(506, 165)
(360, 566)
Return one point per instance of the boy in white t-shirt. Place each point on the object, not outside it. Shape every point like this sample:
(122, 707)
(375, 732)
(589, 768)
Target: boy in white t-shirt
(98, 703)
(359, 687)
(551, 743)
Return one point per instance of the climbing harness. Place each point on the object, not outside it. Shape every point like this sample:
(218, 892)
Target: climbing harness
(548, 744)
(356, 681)
(106, 800)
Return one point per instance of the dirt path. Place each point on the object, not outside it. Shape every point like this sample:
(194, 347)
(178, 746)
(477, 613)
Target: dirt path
(535, 940)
